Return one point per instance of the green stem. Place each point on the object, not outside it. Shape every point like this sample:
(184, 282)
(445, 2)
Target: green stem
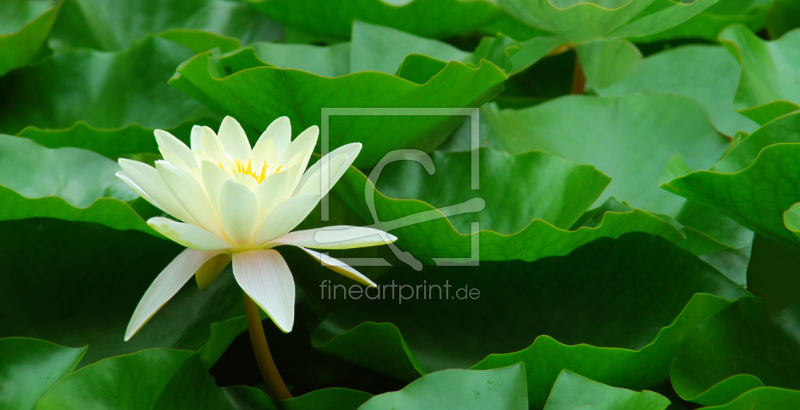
(275, 385)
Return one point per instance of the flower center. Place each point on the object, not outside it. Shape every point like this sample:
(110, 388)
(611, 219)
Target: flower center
(239, 167)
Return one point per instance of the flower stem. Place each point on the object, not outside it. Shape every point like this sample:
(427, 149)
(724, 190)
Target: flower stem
(578, 78)
(277, 389)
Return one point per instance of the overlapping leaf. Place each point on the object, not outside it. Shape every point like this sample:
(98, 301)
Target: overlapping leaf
(573, 391)
(708, 24)
(257, 85)
(736, 350)
(427, 18)
(100, 25)
(24, 27)
(630, 300)
(768, 86)
(609, 18)
(29, 367)
(754, 184)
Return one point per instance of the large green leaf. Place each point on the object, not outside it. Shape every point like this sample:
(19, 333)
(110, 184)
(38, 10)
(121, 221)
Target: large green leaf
(328, 399)
(502, 389)
(766, 398)
(708, 24)
(629, 138)
(763, 165)
(768, 87)
(736, 350)
(24, 26)
(29, 367)
(65, 183)
(573, 391)
(581, 21)
(81, 282)
(100, 25)
(246, 85)
(150, 379)
(712, 83)
(613, 310)
(514, 220)
(427, 18)
(107, 90)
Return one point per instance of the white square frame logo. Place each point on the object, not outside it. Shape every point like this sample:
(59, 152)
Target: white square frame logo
(473, 205)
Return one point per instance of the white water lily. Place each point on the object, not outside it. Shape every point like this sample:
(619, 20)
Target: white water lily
(237, 203)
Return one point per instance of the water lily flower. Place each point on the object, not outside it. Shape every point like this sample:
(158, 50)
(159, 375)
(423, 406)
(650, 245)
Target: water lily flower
(234, 203)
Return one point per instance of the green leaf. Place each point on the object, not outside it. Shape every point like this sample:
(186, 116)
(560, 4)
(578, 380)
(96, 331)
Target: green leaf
(65, 183)
(328, 399)
(712, 82)
(502, 389)
(514, 222)
(736, 350)
(772, 273)
(629, 138)
(30, 367)
(24, 26)
(708, 24)
(589, 311)
(238, 82)
(764, 165)
(572, 391)
(762, 398)
(784, 16)
(609, 18)
(81, 282)
(106, 90)
(426, 18)
(791, 218)
(768, 87)
(100, 25)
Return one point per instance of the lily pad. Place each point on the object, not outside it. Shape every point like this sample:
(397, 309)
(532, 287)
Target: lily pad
(763, 164)
(260, 83)
(603, 319)
(109, 271)
(108, 90)
(24, 27)
(65, 183)
(100, 25)
(29, 367)
(762, 398)
(784, 16)
(629, 138)
(433, 214)
(573, 391)
(502, 389)
(736, 350)
(426, 18)
(712, 82)
(609, 18)
(768, 87)
(708, 24)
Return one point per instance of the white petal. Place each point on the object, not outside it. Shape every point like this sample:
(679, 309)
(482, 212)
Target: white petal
(273, 190)
(188, 235)
(285, 217)
(305, 143)
(238, 213)
(166, 285)
(233, 138)
(280, 132)
(150, 181)
(265, 150)
(339, 267)
(212, 148)
(191, 195)
(213, 178)
(174, 151)
(340, 159)
(195, 138)
(266, 278)
(336, 237)
(245, 180)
